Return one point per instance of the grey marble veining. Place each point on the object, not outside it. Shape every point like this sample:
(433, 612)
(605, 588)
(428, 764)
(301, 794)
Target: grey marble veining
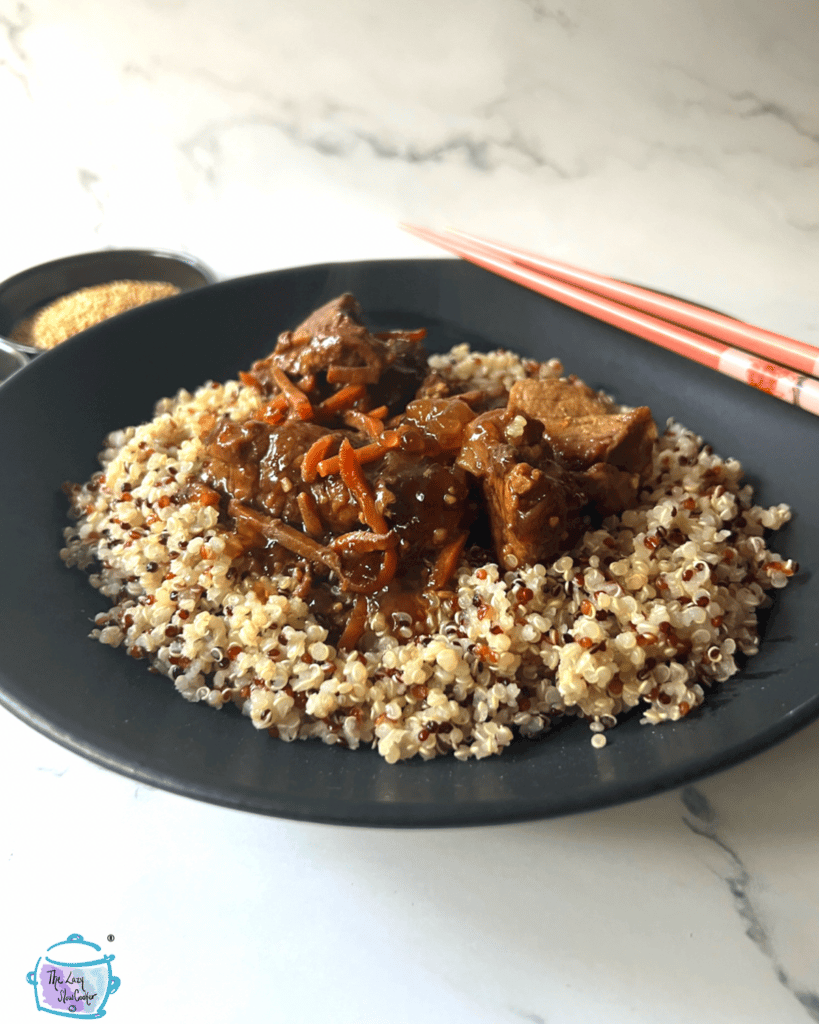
(15, 60)
(589, 131)
(703, 820)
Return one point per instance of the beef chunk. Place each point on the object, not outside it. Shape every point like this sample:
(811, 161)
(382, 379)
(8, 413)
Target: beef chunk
(584, 428)
(334, 335)
(424, 500)
(609, 451)
(533, 502)
(481, 399)
(259, 465)
(624, 440)
(556, 399)
(334, 348)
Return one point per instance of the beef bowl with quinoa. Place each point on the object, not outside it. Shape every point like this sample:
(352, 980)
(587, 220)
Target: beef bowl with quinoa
(430, 527)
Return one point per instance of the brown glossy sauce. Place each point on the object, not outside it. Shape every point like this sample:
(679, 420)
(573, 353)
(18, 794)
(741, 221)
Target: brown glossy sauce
(369, 476)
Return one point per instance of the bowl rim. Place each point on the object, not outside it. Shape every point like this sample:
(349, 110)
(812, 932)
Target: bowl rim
(10, 348)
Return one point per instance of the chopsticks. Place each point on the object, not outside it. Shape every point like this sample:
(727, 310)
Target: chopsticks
(746, 353)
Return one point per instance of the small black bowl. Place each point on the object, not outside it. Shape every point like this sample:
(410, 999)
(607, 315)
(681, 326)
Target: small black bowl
(10, 359)
(30, 290)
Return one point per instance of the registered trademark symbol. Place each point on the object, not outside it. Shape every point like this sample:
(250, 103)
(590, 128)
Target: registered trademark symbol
(110, 938)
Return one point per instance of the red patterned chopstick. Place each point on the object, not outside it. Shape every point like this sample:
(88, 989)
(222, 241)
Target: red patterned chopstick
(795, 354)
(534, 272)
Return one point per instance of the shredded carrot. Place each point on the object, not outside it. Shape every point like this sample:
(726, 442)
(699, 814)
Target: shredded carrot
(373, 424)
(363, 421)
(354, 629)
(379, 413)
(352, 374)
(275, 412)
(417, 335)
(354, 418)
(299, 543)
(447, 562)
(353, 477)
(312, 459)
(388, 570)
(249, 380)
(391, 440)
(296, 398)
(204, 495)
(362, 542)
(369, 453)
(310, 514)
(342, 399)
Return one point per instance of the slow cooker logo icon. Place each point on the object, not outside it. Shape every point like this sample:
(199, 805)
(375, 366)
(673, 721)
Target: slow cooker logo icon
(73, 979)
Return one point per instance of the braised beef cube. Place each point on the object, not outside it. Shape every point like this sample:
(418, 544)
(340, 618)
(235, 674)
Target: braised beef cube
(405, 368)
(533, 502)
(610, 452)
(233, 453)
(336, 317)
(608, 489)
(281, 481)
(424, 500)
(480, 399)
(333, 335)
(334, 348)
(625, 440)
(259, 465)
(434, 386)
(556, 399)
(538, 506)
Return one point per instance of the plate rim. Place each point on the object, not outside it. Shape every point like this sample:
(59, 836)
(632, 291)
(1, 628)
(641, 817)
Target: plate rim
(792, 721)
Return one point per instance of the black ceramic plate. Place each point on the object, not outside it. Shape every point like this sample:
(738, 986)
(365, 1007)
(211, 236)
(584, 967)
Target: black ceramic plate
(99, 703)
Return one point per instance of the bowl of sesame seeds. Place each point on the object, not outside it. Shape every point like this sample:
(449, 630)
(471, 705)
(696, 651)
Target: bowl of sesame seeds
(44, 305)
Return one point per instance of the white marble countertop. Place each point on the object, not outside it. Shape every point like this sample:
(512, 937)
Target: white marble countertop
(672, 144)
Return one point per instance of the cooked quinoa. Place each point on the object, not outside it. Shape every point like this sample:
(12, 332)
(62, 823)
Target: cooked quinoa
(646, 611)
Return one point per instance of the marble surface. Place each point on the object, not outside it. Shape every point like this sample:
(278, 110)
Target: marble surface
(676, 144)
